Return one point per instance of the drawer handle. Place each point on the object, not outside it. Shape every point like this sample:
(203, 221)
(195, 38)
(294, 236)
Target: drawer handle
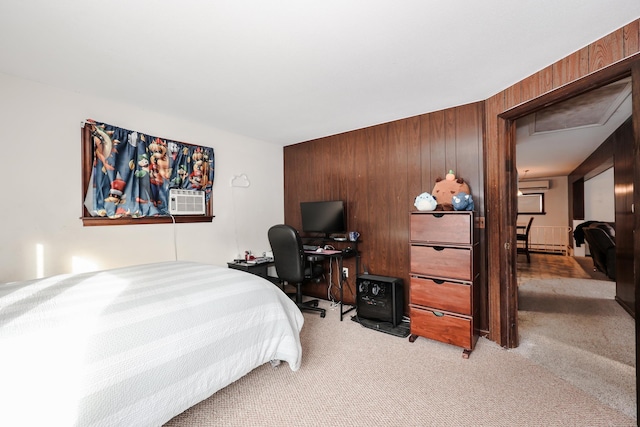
(438, 215)
(438, 281)
(438, 313)
(438, 248)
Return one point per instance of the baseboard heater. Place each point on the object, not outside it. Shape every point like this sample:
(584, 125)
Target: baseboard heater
(186, 202)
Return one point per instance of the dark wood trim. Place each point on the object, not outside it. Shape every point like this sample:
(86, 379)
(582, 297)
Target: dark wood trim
(506, 197)
(635, 78)
(532, 94)
(576, 195)
(87, 165)
(93, 221)
(493, 106)
(589, 82)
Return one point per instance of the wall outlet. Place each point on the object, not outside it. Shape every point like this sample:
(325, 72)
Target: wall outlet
(345, 272)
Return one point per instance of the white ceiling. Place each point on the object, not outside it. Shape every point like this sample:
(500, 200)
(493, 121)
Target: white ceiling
(556, 140)
(292, 70)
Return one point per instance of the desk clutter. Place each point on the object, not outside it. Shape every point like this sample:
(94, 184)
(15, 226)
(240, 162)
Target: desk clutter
(328, 250)
(250, 258)
(253, 261)
(334, 249)
(259, 260)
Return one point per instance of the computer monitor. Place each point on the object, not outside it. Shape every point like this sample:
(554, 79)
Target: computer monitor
(327, 217)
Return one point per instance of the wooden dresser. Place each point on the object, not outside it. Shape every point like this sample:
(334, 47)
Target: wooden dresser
(443, 277)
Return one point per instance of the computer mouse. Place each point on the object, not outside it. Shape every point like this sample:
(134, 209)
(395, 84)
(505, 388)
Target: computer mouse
(319, 250)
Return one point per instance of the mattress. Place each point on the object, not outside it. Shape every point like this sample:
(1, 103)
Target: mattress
(136, 345)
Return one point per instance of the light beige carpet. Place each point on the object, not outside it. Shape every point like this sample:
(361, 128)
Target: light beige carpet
(353, 376)
(576, 330)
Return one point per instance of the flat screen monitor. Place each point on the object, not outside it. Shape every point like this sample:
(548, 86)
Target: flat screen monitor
(325, 217)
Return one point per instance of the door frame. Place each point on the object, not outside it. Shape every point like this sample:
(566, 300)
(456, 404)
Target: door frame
(501, 197)
(501, 188)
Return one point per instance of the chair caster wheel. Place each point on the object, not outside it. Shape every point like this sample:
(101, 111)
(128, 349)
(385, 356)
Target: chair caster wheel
(315, 303)
(322, 314)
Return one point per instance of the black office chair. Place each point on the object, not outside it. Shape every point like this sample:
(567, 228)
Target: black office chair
(524, 237)
(292, 264)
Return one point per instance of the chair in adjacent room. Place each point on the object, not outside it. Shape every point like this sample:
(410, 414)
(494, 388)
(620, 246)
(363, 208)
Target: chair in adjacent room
(293, 265)
(601, 237)
(524, 238)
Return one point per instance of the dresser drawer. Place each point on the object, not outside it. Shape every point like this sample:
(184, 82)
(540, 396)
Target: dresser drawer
(442, 327)
(441, 261)
(450, 227)
(441, 294)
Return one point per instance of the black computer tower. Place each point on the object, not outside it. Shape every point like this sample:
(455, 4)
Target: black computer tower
(380, 298)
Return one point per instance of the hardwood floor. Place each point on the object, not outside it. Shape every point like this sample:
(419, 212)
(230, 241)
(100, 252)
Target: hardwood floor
(545, 266)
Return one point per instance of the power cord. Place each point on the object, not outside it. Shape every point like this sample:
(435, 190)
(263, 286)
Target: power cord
(330, 282)
(333, 303)
(336, 304)
(235, 219)
(175, 238)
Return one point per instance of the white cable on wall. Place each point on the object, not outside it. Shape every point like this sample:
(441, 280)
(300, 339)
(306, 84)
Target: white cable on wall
(175, 239)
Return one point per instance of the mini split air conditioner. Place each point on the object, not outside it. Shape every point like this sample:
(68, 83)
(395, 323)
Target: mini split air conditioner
(533, 186)
(186, 202)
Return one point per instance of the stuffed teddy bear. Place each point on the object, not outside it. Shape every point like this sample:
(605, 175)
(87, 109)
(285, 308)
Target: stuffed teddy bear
(462, 202)
(446, 188)
(425, 202)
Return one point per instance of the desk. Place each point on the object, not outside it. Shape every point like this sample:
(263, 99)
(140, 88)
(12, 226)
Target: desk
(340, 256)
(262, 269)
(257, 269)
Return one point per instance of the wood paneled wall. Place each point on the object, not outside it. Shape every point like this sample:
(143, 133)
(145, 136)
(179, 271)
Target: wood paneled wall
(624, 164)
(617, 147)
(378, 172)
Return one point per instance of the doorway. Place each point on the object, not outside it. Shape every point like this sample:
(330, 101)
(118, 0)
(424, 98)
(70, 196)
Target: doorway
(506, 194)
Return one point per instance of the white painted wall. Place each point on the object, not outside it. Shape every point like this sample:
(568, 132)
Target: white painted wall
(555, 204)
(41, 204)
(550, 232)
(599, 197)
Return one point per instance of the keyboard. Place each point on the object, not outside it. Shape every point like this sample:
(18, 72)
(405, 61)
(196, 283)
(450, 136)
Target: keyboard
(310, 247)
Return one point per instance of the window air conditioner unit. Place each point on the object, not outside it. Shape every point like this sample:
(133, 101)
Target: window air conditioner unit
(186, 202)
(532, 186)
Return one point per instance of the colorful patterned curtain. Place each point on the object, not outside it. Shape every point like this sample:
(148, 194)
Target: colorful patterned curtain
(133, 172)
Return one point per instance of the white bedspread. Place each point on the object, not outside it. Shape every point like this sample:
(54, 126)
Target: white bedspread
(135, 346)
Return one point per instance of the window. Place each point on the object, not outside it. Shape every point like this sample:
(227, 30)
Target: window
(531, 203)
(127, 175)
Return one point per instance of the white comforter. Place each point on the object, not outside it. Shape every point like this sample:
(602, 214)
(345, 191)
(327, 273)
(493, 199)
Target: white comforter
(138, 345)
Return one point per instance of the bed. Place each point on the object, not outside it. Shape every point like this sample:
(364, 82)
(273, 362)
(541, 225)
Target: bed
(136, 345)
